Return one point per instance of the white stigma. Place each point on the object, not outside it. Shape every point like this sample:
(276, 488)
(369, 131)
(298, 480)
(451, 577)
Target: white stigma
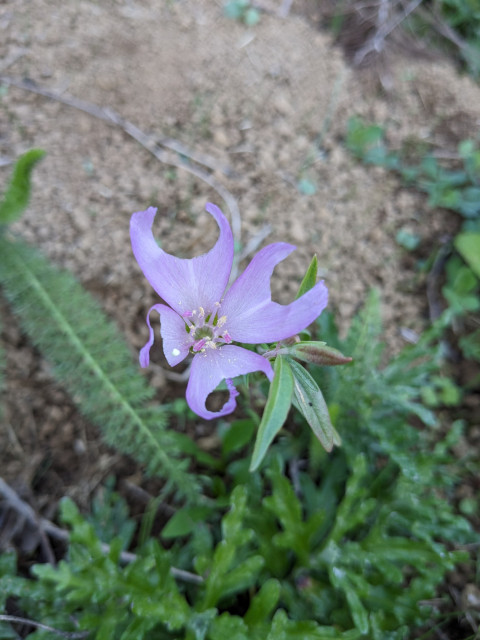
(175, 352)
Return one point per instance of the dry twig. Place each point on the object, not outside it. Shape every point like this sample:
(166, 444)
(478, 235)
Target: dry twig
(384, 29)
(148, 142)
(71, 635)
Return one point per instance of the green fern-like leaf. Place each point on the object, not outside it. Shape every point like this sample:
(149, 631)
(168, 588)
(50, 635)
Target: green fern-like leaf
(91, 359)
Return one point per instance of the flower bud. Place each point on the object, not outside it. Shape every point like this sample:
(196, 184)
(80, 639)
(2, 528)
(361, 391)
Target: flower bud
(318, 353)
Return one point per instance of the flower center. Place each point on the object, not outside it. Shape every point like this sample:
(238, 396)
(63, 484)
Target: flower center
(206, 329)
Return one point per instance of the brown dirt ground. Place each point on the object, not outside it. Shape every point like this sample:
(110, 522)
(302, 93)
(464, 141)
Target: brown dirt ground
(269, 103)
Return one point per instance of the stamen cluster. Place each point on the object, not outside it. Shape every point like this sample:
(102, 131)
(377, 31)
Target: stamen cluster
(206, 330)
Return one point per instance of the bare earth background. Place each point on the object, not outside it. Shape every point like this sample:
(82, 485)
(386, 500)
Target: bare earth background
(258, 101)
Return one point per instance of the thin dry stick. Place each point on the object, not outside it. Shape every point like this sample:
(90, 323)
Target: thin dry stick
(377, 41)
(60, 534)
(149, 143)
(252, 245)
(71, 635)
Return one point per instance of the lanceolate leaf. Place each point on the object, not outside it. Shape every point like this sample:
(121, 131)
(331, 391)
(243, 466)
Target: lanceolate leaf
(91, 359)
(276, 410)
(309, 279)
(310, 402)
(16, 197)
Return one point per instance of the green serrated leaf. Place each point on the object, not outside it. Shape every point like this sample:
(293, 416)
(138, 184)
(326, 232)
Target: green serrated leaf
(310, 402)
(17, 196)
(92, 360)
(310, 278)
(278, 404)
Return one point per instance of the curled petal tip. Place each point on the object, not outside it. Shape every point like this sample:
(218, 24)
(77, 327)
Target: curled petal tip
(144, 356)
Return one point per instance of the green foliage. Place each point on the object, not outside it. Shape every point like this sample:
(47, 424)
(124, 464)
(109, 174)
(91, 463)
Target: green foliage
(307, 187)
(351, 545)
(407, 240)
(17, 195)
(109, 516)
(242, 11)
(2, 370)
(293, 384)
(462, 292)
(91, 359)
(468, 246)
(457, 189)
(275, 413)
(309, 400)
(309, 279)
(463, 17)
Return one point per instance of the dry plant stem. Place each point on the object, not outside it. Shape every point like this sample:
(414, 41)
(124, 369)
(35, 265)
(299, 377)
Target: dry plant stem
(444, 29)
(435, 306)
(148, 142)
(26, 510)
(252, 245)
(60, 534)
(377, 41)
(65, 634)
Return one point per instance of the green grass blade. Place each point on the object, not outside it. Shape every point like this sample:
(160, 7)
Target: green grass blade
(91, 360)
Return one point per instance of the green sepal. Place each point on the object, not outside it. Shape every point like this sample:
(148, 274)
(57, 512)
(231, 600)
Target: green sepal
(309, 400)
(278, 404)
(310, 278)
(17, 196)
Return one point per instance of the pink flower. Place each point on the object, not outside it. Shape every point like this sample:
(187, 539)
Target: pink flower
(203, 319)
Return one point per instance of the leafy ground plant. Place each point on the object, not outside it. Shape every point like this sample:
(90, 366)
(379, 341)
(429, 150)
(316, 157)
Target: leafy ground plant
(350, 545)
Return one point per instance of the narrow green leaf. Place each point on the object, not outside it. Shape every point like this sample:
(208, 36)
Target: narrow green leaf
(16, 198)
(340, 579)
(263, 603)
(468, 246)
(276, 410)
(310, 402)
(310, 278)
